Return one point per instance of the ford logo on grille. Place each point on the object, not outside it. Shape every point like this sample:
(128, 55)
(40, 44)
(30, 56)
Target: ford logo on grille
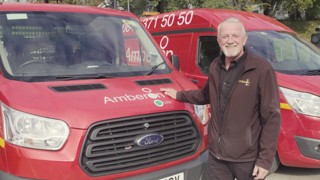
(149, 139)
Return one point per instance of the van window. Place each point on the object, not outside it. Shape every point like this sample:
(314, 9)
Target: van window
(56, 46)
(286, 52)
(208, 49)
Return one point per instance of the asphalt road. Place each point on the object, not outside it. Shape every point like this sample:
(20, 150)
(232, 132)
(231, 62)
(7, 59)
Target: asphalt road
(290, 173)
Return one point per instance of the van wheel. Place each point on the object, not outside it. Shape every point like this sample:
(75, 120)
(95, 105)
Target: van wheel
(275, 164)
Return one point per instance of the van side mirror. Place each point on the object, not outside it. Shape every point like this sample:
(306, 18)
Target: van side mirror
(315, 38)
(175, 61)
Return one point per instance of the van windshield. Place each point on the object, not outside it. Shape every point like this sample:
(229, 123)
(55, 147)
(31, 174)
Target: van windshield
(44, 46)
(286, 52)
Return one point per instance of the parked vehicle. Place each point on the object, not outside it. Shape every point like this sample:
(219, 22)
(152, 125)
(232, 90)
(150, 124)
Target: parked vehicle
(80, 99)
(192, 35)
(315, 37)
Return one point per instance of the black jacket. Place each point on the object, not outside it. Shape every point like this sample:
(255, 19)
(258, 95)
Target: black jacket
(251, 121)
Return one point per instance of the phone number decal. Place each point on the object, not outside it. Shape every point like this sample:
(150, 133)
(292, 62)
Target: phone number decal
(168, 20)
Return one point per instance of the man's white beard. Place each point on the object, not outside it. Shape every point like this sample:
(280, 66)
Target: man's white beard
(231, 51)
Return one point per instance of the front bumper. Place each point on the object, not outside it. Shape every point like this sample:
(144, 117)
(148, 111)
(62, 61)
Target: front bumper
(192, 170)
(299, 151)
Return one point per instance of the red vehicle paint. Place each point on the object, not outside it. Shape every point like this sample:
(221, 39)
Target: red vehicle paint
(80, 99)
(192, 35)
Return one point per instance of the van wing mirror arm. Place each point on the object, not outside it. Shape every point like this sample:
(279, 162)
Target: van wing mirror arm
(175, 61)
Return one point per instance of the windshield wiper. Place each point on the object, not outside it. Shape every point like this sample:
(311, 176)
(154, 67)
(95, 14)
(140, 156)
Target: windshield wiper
(311, 72)
(98, 76)
(154, 68)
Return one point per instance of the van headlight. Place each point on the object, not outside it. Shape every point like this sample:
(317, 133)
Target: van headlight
(32, 131)
(202, 112)
(304, 103)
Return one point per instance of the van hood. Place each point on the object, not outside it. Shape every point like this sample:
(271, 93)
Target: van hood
(84, 102)
(302, 83)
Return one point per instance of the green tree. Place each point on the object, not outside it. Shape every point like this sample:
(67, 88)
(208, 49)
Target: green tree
(71, 1)
(270, 6)
(217, 4)
(313, 13)
(136, 6)
(297, 7)
(225, 4)
(294, 6)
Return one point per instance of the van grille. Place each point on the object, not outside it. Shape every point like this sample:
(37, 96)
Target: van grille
(110, 147)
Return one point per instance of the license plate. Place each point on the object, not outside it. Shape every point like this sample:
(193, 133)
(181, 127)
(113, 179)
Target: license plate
(179, 176)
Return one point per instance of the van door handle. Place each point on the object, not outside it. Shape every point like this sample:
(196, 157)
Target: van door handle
(195, 81)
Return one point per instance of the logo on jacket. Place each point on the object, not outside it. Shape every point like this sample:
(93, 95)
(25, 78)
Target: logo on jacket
(245, 82)
(149, 140)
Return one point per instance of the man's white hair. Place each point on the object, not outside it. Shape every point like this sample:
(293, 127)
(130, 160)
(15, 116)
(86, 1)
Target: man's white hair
(232, 19)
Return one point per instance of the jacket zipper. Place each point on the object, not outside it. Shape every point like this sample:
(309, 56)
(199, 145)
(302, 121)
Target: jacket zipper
(219, 145)
(226, 110)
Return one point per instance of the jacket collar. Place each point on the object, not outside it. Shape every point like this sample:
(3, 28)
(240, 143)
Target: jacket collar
(250, 62)
(240, 60)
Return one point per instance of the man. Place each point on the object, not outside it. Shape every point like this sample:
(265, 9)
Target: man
(243, 92)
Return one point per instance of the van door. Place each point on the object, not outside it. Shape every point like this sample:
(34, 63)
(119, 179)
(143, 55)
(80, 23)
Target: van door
(206, 49)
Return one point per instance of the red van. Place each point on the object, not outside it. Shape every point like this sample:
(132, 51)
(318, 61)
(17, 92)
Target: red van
(192, 35)
(80, 99)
